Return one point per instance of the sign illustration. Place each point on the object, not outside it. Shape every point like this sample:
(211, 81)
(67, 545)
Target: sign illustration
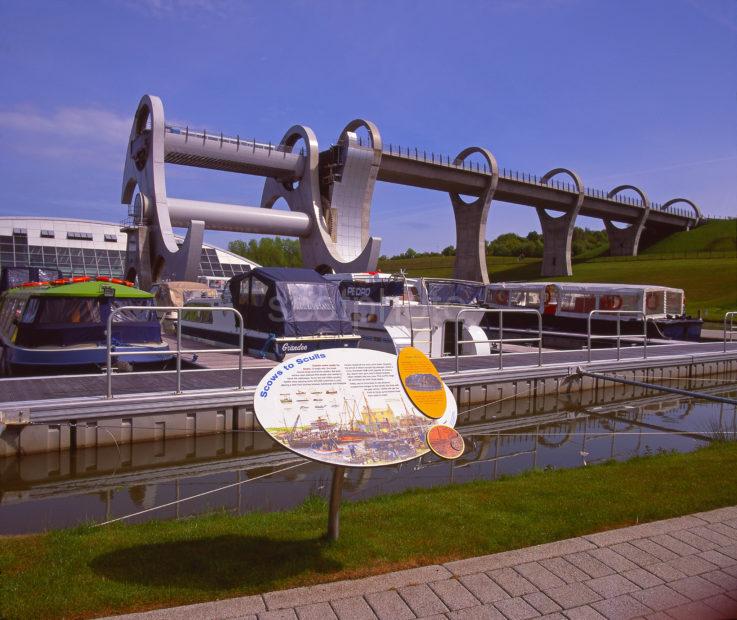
(445, 441)
(347, 408)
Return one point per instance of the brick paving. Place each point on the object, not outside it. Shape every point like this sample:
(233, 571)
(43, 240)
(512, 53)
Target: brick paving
(677, 568)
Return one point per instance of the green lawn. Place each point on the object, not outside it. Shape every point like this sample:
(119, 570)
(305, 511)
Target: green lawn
(87, 572)
(710, 283)
(716, 236)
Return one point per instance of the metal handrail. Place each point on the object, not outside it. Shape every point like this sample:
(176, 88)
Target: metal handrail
(729, 316)
(618, 336)
(501, 340)
(179, 351)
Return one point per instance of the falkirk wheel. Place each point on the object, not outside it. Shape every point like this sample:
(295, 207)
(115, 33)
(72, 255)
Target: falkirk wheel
(328, 194)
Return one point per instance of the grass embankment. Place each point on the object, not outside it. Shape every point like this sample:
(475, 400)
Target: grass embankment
(86, 572)
(714, 236)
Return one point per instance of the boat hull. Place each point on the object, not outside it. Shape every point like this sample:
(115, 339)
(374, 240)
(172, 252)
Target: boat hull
(262, 345)
(22, 357)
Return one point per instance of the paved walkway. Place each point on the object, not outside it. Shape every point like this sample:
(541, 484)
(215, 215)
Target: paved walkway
(678, 568)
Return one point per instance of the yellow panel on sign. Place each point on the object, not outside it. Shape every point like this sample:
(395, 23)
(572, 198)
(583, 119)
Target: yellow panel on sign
(422, 382)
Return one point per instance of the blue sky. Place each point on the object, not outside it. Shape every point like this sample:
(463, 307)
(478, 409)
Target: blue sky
(642, 92)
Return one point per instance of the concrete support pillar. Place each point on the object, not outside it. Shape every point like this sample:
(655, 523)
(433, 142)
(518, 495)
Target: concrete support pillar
(558, 231)
(470, 219)
(626, 241)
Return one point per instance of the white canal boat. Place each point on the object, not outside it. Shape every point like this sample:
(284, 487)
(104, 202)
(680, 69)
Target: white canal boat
(391, 312)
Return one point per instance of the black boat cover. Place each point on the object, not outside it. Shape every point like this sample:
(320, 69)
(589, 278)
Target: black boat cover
(288, 301)
(11, 277)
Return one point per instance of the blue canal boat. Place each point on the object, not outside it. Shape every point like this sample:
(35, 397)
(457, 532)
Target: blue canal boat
(63, 323)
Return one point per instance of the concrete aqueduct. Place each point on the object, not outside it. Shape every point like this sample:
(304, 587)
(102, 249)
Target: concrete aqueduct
(329, 196)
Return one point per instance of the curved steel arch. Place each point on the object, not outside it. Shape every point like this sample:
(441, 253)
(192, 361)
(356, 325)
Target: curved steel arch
(558, 231)
(470, 220)
(625, 241)
(693, 205)
(620, 188)
(373, 131)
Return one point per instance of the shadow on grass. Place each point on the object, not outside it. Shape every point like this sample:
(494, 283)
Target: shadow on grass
(218, 563)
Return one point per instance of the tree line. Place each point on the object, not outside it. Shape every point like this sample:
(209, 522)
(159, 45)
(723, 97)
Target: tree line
(282, 252)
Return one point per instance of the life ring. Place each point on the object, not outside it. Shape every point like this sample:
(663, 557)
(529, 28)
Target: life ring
(616, 302)
(117, 281)
(501, 297)
(102, 279)
(81, 279)
(651, 301)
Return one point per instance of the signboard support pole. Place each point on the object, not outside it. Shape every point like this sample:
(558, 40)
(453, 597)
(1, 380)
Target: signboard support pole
(336, 493)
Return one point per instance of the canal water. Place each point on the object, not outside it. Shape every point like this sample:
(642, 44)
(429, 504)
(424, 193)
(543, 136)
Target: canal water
(48, 491)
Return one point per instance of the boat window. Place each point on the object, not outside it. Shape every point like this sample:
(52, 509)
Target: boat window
(655, 302)
(309, 296)
(411, 294)
(197, 316)
(577, 302)
(258, 293)
(674, 302)
(68, 310)
(454, 293)
(133, 316)
(29, 312)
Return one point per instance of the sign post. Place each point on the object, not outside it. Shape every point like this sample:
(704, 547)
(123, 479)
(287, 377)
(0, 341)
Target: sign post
(336, 494)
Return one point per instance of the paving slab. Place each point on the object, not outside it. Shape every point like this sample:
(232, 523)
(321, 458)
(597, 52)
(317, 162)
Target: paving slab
(718, 559)
(278, 614)
(660, 598)
(696, 609)
(589, 564)
(482, 612)
(724, 604)
(316, 611)
(676, 546)
(353, 588)
(612, 586)
(542, 602)
(564, 570)
(718, 515)
(723, 579)
(512, 582)
(539, 576)
(584, 613)
(621, 607)
(642, 578)
(654, 549)
(573, 595)
(625, 534)
(613, 560)
(422, 600)
(516, 609)
(454, 594)
(518, 556)
(388, 605)
(695, 587)
(354, 608)
(691, 565)
(634, 554)
(484, 588)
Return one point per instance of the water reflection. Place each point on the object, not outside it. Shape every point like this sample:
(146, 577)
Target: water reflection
(53, 490)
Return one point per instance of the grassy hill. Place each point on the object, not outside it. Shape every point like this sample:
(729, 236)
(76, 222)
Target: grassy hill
(714, 236)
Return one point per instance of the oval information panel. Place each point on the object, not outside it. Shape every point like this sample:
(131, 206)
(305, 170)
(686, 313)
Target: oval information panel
(422, 382)
(345, 407)
(445, 441)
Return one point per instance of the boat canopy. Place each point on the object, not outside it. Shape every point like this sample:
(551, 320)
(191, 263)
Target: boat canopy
(287, 301)
(582, 297)
(455, 292)
(73, 314)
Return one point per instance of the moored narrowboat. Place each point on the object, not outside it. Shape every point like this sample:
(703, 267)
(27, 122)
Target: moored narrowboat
(565, 308)
(285, 311)
(63, 323)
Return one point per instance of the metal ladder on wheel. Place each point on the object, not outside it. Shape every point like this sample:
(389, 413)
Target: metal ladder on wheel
(416, 333)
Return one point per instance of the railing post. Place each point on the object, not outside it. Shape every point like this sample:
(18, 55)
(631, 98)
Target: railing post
(179, 350)
(588, 334)
(455, 339)
(109, 357)
(619, 334)
(240, 349)
(539, 338)
(501, 339)
(644, 335)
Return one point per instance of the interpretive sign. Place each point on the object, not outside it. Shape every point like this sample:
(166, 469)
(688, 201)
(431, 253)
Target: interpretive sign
(422, 382)
(347, 408)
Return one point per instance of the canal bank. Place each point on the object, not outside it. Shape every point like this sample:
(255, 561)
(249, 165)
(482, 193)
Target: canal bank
(87, 572)
(52, 414)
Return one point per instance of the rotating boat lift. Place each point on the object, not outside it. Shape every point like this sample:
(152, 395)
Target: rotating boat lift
(329, 197)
